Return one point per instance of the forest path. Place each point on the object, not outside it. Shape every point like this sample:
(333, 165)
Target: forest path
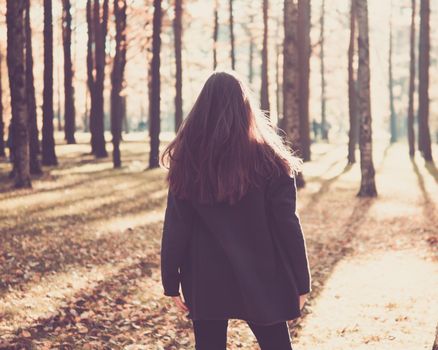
(384, 293)
(79, 253)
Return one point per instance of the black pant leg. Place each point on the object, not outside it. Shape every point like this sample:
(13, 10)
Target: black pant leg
(210, 334)
(272, 337)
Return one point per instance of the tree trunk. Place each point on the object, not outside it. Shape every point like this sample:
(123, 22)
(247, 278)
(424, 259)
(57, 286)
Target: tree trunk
(368, 186)
(90, 75)
(251, 59)
(393, 116)
(232, 52)
(2, 124)
(264, 93)
(125, 120)
(423, 87)
(435, 343)
(154, 122)
(117, 77)
(352, 90)
(277, 79)
(34, 143)
(411, 133)
(324, 126)
(100, 26)
(17, 82)
(215, 32)
(69, 105)
(58, 91)
(48, 144)
(304, 74)
(291, 80)
(177, 29)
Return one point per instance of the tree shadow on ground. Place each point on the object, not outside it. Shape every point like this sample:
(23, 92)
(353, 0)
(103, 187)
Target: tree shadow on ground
(96, 316)
(433, 171)
(329, 253)
(67, 200)
(55, 245)
(325, 186)
(429, 206)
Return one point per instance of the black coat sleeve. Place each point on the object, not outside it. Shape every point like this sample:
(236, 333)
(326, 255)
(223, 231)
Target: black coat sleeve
(282, 195)
(177, 230)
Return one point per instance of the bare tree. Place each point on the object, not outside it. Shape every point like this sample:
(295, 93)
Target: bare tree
(291, 80)
(2, 124)
(215, 32)
(367, 186)
(324, 129)
(278, 86)
(69, 105)
(232, 41)
(97, 21)
(264, 92)
(154, 121)
(411, 133)
(423, 87)
(100, 28)
(117, 78)
(435, 343)
(393, 115)
(90, 74)
(34, 143)
(17, 83)
(177, 29)
(304, 49)
(352, 90)
(48, 143)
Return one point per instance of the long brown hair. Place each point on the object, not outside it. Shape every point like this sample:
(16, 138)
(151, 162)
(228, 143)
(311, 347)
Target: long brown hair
(225, 145)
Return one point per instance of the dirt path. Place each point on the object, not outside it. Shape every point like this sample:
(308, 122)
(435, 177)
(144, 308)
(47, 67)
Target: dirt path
(384, 293)
(79, 257)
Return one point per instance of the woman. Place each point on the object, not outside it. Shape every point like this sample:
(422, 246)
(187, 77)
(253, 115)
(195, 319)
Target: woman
(231, 236)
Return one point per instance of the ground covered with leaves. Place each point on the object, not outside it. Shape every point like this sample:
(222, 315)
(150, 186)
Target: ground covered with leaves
(79, 256)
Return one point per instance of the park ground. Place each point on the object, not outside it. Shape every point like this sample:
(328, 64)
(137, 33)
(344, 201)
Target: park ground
(79, 256)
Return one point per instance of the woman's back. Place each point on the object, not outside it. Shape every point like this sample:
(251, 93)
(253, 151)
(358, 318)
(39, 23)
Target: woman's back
(249, 257)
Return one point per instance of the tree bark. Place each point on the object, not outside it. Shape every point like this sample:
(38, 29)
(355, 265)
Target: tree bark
(291, 80)
(423, 87)
(117, 78)
(304, 74)
(17, 82)
(232, 41)
(411, 133)
(324, 126)
(58, 92)
(125, 120)
(90, 75)
(2, 124)
(100, 27)
(393, 116)
(264, 92)
(48, 143)
(277, 80)
(352, 89)
(177, 29)
(215, 32)
(154, 122)
(69, 105)
(368, 186)
(251, 56)
(435, 343)
(34, 143)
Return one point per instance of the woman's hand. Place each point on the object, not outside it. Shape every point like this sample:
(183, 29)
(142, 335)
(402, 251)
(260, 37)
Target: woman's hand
(303, 299)
(180, 304)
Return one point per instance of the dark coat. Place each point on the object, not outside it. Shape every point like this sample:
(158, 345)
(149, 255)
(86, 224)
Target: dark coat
(244, 261)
